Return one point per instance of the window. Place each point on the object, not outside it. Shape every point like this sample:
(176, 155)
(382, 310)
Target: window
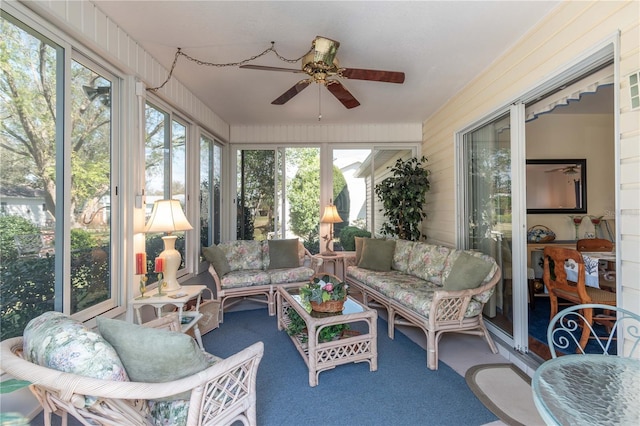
(210, 187)
(278, 191)
(56, 225)
(165, 178)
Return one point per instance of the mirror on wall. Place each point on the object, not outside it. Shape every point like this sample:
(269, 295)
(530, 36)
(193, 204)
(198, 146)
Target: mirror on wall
(557, 186)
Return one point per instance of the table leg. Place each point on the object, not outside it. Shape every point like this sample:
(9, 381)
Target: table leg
(196, 333)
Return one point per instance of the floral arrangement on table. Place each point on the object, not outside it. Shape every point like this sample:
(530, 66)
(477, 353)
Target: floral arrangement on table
(321, 289)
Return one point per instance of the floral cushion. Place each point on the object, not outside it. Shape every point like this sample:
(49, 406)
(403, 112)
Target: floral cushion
(57, 341)
(427, 262)
(243, 255)
(290, 275)
(401, 255)
(245, 278)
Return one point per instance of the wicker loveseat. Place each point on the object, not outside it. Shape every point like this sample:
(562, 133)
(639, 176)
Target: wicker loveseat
(254, 269)
(432, 287)
(222, 393)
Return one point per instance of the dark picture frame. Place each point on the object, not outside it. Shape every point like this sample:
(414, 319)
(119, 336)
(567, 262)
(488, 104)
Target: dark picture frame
(556, 186)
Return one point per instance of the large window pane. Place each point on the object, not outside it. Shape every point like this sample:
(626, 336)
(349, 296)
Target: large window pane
(37, 267)
(300, 200)
(90, 187)
(210, 177)
(351, 198)
(165, 173)
(29, 87)
(487, 158)
(256, 194)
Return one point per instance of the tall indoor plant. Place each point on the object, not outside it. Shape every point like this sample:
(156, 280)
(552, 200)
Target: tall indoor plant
(402, 195)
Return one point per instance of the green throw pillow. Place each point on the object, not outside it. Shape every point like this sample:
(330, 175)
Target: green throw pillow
(359, 243)
(283, 254)
(152, 355)
(215, 256)
(377, 254)
(467, 272)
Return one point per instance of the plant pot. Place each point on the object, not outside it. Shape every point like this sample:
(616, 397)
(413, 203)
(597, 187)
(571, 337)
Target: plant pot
(328, 306)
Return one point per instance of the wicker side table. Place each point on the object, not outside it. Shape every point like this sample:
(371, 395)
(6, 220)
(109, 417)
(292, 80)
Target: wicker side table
(327, 355)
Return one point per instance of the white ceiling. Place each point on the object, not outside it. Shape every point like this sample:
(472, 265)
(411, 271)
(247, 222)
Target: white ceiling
(440, 46)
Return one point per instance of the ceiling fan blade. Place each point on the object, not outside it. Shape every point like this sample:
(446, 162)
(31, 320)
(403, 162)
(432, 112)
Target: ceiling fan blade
(342, 94)
(286, 96)
(373, 75)
(265, 68)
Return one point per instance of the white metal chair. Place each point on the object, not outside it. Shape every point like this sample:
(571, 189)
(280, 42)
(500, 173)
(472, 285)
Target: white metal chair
(566, 328)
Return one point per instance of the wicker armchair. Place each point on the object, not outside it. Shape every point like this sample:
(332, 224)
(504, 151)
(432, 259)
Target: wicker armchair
(221, 394)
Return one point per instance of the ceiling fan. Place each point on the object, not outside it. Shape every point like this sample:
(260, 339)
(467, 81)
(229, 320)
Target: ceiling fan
(569, 170)
(321, 65)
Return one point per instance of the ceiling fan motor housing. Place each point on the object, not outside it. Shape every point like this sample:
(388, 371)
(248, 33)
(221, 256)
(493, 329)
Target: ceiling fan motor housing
(322, 59)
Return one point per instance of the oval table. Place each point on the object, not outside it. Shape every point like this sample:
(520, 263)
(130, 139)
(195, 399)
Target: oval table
(588, 390)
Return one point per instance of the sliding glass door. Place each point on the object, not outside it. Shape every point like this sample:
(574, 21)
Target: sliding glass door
(486, 154)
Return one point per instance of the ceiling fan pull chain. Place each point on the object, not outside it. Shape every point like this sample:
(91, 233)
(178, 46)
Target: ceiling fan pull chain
(319, 103)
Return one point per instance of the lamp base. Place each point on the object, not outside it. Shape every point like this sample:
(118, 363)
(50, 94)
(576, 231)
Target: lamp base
(172, 261)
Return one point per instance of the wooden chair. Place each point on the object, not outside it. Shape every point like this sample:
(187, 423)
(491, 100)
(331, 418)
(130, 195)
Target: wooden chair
(578, 293)
(625, 325)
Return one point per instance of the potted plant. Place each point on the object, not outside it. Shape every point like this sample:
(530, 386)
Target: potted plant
(402, 195)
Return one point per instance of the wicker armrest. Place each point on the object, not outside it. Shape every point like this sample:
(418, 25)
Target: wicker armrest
(227, 389)
(451, 305)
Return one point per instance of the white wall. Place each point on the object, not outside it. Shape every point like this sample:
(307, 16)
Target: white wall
(589, 136)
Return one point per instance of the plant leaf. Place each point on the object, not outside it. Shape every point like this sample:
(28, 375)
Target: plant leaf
(12, 385)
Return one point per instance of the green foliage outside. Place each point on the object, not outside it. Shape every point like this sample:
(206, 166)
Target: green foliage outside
(10, 226)
(28, 282)
(348, 237)
(403, 195)
(304, 200)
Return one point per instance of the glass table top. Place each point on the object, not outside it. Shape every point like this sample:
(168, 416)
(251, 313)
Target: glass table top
(588, 390)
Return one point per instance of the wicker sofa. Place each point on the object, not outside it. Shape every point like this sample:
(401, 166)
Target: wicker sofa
(77, 371)
(432, 287)
(254, 269)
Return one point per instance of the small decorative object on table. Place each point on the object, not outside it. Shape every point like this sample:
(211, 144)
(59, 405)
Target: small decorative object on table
(540, 234)
(596, 220)
(141, 269)
(325, 293)
(577, 220)
(159, 269)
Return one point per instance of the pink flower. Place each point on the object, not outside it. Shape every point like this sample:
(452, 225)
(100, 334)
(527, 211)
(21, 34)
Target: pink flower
(328, 287)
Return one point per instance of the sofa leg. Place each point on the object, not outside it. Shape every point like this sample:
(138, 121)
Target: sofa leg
(487, 336)
(271, 303)
(391, 314)
(432, 351)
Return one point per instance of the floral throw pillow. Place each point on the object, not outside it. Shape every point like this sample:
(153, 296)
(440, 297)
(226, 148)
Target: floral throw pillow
(56, 341)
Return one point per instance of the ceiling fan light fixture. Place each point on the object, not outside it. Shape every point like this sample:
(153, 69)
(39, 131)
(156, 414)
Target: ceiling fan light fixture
(324, 51)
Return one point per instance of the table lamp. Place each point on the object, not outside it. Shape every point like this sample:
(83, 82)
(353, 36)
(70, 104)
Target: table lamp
(167, 216)
(330, 216)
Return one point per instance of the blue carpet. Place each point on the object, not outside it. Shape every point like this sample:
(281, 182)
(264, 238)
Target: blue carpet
(403, 391)
(539, 322)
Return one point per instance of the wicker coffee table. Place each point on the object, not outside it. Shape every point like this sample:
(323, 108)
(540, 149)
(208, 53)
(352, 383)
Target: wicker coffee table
(327, 355)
